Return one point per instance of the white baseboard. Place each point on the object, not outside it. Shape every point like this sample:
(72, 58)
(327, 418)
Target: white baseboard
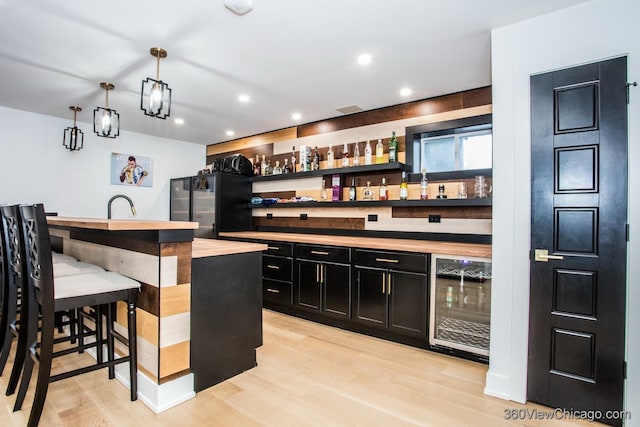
(497, 386)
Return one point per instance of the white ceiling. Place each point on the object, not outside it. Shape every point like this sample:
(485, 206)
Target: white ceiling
(288, 55)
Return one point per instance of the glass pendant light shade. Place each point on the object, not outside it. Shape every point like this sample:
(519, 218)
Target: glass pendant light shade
(155, 97)
(73, 139)
(106, 122)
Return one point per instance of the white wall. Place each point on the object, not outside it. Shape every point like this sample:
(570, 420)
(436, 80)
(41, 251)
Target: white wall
(589, 32)
(35, 167)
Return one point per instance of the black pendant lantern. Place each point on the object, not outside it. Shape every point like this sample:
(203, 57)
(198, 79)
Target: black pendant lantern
(106, 122)
(155, 98)
(73, 137)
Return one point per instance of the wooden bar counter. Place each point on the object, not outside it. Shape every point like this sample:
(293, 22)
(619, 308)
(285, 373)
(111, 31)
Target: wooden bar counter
(160, 255)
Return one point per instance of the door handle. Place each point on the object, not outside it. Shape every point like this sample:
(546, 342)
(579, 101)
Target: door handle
(543, 255)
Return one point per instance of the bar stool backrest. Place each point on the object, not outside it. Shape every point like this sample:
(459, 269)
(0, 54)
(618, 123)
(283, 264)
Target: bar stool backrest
(38, 251)
(12, 246)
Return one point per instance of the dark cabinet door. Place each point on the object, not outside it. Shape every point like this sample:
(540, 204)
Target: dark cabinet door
(309, 285)
(371, 297)
(407, 294)
(337, 290)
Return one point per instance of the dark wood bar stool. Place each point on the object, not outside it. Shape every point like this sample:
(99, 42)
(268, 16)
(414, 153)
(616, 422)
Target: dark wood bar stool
(14, 274)
(44, 295)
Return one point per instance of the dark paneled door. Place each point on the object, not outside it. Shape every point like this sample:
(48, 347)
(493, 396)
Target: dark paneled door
(578, 215)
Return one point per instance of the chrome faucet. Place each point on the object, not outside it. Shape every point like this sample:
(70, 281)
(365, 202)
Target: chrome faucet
(133, 209)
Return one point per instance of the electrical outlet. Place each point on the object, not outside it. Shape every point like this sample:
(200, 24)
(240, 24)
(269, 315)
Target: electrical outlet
(269, 215)
(434, 218)
(372, 218)
(303, 217)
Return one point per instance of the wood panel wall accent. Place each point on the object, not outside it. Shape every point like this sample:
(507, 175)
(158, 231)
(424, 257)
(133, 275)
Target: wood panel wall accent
(252, 142)
(310, 222)
(456, 101)
(458, 212)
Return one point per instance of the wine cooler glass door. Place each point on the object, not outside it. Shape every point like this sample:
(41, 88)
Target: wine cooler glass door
(460, 303)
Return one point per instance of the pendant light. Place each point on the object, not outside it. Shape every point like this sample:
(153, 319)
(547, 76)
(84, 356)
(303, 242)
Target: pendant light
(155, 98)
(73, 137)
(106, 122)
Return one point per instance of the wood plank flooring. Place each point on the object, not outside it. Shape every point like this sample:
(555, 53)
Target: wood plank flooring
(307, 375)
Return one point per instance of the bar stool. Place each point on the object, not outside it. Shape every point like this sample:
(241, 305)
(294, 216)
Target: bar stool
(47, 295)
(14, 272)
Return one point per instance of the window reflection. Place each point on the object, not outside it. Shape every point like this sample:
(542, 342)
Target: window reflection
(463, 151)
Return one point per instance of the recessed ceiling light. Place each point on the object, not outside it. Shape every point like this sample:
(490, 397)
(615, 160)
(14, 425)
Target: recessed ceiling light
(179, 121)
(244, 98)
(296, 116)
(364, 59)
(405, 91)
(230, 132)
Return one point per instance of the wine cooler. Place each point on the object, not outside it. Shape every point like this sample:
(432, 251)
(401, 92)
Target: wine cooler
(460, 303)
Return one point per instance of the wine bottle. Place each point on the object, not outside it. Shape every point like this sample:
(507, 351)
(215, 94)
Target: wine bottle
(356, 155)
(330, 164)
(424, 186)
(345, 155)
(263, 166)
(379, 152)
(286, 168)
(277, 170)
(293, 159)
(404, 188)
(323, 191)
(383, 190)
(368, 154)
(393, 148)
(315, 165)
(257, 170)
(352, 189)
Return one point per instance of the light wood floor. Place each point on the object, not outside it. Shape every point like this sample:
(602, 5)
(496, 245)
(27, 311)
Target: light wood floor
(307, 375)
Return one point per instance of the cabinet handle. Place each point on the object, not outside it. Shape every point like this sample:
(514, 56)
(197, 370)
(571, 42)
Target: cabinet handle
(275, 291)
(317, 273)
(273, 267)
(389, 284)
(273, 248)
(384, 285)
(395, 261)
(321, 273)
(319, 253)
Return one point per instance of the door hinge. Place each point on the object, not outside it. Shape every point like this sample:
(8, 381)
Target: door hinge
(626, 232)
(628, 85)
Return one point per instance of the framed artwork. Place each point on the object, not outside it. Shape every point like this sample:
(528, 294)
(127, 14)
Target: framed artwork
(131, 169)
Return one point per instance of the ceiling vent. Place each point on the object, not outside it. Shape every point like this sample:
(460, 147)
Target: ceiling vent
(239, 7)
(349, 109)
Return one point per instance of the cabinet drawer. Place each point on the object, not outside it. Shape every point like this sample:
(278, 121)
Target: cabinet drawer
(277, 292)
(279, 248)
(324, 253)
(277, 268)
(393, 260)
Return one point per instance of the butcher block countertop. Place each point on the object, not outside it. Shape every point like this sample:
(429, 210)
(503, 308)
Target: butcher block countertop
(120, 224)
(212, 247)
(422, 246)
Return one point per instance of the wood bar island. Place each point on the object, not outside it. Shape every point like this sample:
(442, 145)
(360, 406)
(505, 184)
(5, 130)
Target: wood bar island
(179, 311)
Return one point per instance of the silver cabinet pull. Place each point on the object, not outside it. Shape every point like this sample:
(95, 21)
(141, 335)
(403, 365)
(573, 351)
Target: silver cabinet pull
(273, 267)
(395, 261)
(275, 291)
(319, 253)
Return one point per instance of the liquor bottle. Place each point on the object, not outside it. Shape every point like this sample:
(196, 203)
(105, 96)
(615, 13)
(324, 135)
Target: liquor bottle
(352, 190)
(393, 148)
(424, 186)
(367, 192)
(269, 168)
(277, 170)
(263, 166)
(379, 152)
(441, 194)
(404, 189)
(316, 160)
(345, 155)
(293, 159)
(257, 170)
(286, 168)
(383, 190)
(330, 164)
(356, 155)
(323, 191)
(368, 154)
